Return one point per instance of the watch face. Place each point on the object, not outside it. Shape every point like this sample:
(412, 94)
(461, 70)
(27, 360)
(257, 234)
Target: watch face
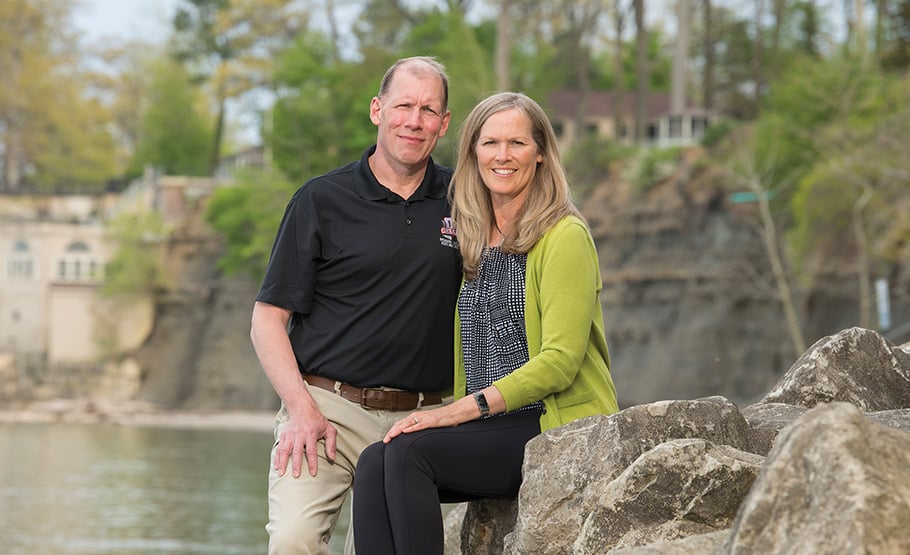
(482, 404)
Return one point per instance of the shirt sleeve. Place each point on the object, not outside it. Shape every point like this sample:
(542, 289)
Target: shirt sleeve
(290, 276)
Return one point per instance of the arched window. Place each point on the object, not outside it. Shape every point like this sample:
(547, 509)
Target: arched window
(20, 263)
(78, 263)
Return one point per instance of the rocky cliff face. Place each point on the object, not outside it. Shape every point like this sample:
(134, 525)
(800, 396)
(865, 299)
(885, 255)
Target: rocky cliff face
(689, 303)
(199, 354)
(817, 465)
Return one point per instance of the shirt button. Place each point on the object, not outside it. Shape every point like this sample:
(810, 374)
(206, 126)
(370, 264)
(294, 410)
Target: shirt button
(408, 221)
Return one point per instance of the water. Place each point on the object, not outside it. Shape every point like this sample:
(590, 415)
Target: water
(107, 489)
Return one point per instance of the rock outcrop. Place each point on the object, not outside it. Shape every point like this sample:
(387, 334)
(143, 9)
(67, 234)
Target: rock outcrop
(816, 466)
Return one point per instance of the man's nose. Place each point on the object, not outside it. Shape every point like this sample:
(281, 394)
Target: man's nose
(414, 118)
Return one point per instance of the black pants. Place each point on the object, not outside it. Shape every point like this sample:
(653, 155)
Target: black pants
(398, 486)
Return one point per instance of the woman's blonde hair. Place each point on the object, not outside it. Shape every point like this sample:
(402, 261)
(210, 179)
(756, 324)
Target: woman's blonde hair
(549, 198)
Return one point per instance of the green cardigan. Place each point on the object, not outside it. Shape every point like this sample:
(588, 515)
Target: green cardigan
(569, 364)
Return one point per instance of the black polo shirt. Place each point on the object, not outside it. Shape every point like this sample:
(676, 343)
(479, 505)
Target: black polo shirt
(372, 279)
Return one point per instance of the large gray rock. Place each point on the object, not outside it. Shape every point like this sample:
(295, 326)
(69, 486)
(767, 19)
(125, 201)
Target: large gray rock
(566, 469)
(668, 477)
(835, 482)
(766, 420)
(681, 488)
(702, 544)
(856, 365)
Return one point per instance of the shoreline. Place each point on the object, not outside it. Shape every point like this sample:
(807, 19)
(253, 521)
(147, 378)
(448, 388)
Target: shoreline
(134, 413)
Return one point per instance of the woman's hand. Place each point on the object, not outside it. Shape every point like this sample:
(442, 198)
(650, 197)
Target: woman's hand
(462, 410)
(422, 420)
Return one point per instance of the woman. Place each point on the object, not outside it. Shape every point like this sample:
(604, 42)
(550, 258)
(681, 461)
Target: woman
(530, 348)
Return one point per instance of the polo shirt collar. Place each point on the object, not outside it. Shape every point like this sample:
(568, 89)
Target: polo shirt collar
(369, 188)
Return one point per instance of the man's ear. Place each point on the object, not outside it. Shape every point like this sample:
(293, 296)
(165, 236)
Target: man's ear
(374, 110)
(445, 124)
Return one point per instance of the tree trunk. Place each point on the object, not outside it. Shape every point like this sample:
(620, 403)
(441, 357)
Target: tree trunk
(680, 58)
(641, 71)
(618, 69)
(758, 59)
(708, 76)
(862, 246)
(859, 27)
(769, 236)
(503, 45)
(215, 157)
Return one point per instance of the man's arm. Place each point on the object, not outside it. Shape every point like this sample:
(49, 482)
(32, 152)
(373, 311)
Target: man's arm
(306, 424)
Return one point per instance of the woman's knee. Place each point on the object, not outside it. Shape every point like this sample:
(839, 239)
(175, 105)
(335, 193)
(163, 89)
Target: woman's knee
(370, 463)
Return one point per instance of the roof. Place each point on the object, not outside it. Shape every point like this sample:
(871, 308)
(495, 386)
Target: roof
(564, 103)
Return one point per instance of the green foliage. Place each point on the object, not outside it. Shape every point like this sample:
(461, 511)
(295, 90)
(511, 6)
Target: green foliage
(652, 165)
(77, 153)
(588, 162)
(136, 267)
(453, 42)
(857, 147)
(810, 96)
(717, 132)
(248, 214)
(321, 119)
(54, 136)
(174, 135)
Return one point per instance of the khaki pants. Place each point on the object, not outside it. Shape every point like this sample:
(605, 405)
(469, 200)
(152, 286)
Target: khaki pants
(303, 511)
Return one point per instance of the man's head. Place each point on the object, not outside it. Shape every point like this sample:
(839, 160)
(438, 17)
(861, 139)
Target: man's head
(424, 64)
(411, 112)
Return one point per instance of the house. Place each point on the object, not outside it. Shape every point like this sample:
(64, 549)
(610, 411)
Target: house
(53, 251)
(611, 115)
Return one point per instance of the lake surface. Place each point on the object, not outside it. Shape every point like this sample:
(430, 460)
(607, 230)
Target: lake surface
(109, 489)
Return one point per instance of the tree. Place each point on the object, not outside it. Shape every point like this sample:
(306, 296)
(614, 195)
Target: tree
(320, 118)
(848, 208)
(247, 215)
(746, 173)
(232, 46)
(53, 136)
(175, 134)
(641, 71)
(136, 267)
(678, 89)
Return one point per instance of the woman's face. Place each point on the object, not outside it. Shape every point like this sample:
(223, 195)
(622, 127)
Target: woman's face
(507, 155)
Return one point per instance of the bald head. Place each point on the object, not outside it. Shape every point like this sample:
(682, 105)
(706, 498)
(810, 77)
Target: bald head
(423, 66)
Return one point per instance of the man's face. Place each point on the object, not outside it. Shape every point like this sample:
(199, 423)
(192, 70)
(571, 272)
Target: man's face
(410, 117)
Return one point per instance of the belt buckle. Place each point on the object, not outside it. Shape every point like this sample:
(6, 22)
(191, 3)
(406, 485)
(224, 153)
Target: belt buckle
(363, 398)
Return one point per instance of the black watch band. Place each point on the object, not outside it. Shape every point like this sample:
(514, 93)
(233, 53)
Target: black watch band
(482, 403)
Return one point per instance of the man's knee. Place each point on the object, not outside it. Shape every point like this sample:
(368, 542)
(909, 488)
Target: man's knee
(293, 540)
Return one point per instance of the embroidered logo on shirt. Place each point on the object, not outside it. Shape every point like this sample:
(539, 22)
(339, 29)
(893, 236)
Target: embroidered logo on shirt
(448, 236)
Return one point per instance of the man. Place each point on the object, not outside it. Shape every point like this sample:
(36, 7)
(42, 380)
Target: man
(353, 323)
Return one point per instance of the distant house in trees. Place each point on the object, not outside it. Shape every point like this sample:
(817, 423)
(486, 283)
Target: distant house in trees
(612, 116)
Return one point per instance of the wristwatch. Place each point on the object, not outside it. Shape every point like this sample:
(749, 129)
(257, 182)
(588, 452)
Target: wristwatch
(482, 403)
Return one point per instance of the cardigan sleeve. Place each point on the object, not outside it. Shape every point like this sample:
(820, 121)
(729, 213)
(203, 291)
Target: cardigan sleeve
(562, 290)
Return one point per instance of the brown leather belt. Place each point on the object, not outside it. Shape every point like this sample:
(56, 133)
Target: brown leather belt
(375, 398)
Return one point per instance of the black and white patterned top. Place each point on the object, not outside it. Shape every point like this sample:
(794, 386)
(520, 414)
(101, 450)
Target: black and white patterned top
(492, 311)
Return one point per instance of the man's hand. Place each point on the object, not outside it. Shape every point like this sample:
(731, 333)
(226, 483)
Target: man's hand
(300, 437)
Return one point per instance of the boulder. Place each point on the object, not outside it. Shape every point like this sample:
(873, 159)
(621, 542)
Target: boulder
(816, 466)
(856, 365)
(835, 482)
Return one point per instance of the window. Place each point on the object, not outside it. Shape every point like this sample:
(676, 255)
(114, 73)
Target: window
(20, 265)
(558, 129)
(675, 127)
(78, 264)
